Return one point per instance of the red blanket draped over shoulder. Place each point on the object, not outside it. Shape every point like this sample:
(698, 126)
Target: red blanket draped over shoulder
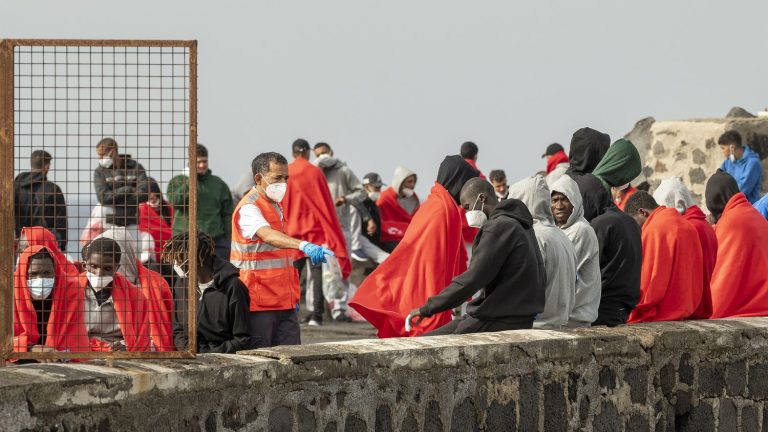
(152, 222)
(39, 236)
(131, 307)
(708, 241)
(431, 254)
(160, 300)
(394, 218)
(66, 329)
(740, 279)
(310, 213)
(669, 289)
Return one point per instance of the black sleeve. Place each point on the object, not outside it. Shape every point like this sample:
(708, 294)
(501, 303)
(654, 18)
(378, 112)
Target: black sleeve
(60, 218)
(142, 184)
(362, 210)
(488, 256)
(238, 313)
(125, 195)
(180, 330)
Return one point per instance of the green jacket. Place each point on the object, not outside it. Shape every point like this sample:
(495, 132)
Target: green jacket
(214, 204)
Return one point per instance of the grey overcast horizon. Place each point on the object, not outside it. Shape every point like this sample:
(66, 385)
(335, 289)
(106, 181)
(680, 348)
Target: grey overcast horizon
(403, 82)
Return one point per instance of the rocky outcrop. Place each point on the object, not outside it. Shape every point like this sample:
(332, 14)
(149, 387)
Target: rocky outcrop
(688, 148)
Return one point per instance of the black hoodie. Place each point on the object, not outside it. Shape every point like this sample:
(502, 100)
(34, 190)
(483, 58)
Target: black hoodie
(588, 147)
(721, 187)
(222, 313)
(506, 265)
(39, 202)
(618, 235)
(453, 173)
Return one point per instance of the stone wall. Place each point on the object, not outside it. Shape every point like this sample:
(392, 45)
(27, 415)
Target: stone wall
(688, 149)
(697, 376)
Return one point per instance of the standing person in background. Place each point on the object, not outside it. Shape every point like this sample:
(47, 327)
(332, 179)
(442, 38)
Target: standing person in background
(556, 250)
(588, 146)
(121, 185)
(264, 253)
(214, 204)
(621, 194)
(345, 187)
(310, 214)
(39, 202)
(469, 151)
(156, 218)
(397, 204)
(743, 164)
(557, 163)
(499, 181)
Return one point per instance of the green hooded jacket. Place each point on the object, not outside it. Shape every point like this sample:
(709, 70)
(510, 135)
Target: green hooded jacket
(214, 204)
(619, 166)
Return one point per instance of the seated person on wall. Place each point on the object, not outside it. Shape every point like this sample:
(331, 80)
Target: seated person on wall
(506, 266)
(222, 306)
(48, 306)
(672, 276)
(115, 309)
(743, 164)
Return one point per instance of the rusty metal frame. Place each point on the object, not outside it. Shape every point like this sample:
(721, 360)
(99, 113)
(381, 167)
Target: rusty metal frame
(7, 143)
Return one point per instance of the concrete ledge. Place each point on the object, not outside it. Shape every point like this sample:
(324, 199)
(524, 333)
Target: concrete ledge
(695, 375)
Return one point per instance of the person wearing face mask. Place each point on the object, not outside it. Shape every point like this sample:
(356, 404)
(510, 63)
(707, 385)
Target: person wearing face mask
(557, 252)
(156, 218)
(742, 163)
(621, 194)
(311, 215)
(365, 226)
(115, 309)
(48, 305)
(739, 281)
(671, 288)
(397, 204)
(214, 203)
(506, 267)
(430, 255)
(39, 236)
(222, 303)
(121, 185)
(264, 253)
(38, 201)
(498, 179)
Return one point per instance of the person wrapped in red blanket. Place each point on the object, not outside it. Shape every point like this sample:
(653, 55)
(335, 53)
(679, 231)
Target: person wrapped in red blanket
(740, 279)
(430, 255)
(671, 283)
(397, 204)
(156, 218)
(39, 236)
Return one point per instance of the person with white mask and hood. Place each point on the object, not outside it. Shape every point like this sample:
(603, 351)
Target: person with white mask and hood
(397, 205)
(556, 249)
(568, 212)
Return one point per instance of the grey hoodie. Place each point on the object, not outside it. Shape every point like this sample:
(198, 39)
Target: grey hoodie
(343, 183)
(584, 239)
(556, 249)
(673, 193)
(409, 204)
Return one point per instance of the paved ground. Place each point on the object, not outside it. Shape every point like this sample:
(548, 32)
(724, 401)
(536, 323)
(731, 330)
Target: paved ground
(332, 332)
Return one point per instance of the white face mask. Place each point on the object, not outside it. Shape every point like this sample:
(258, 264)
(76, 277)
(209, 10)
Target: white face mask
(180, 270)
(407, 192)
(501, 195)
(732, 156)
(106, 162)
(98, 282)
(476, 218)
(276, 191)
(374, 196)
(40, 288)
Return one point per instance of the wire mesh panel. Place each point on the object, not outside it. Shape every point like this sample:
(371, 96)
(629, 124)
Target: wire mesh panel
(96, 131)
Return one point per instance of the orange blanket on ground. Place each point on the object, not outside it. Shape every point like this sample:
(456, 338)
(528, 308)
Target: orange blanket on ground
(740, 279)
(310, 213)
(669, 289)
(431, 254)
(394, 218)
(708, 240)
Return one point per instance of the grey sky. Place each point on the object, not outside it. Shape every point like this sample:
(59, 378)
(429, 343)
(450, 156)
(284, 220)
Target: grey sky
(406, 82)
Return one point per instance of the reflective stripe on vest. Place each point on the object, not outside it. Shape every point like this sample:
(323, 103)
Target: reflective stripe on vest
(262, 264)
(253, 247)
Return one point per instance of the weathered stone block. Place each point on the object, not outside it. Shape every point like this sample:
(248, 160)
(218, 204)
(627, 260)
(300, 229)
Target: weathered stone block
(637, 378)
(529, 402)
(501, 417)
(607, 378)
(607, 419)
(306, 420)
(433, 420)
(758, 381)
(383, 419)
(556, 417)
(750, 419)
(464, 417)
(727, 416)
(685, 371)
(711, 379)
(700, 419)
(736, 378)
(699, 157)
(333, 427)
(409, 423)
(281, 419)
(638, 423)
(354, 423)
(667, 379)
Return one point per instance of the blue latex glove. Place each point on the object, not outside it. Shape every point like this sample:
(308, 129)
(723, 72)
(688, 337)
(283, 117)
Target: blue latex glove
(316, 253)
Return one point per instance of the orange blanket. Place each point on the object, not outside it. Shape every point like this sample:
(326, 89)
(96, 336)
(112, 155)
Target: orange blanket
(708, 240)
(394, 218)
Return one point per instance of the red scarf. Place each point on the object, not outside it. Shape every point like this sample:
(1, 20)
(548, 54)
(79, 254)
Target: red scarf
(555, 160)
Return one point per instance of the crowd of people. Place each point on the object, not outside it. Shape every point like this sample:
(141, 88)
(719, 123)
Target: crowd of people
(579, 244)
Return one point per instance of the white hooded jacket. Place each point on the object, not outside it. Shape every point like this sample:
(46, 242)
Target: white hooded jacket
(411, 203)
(584, 239)
(673, 193)
(556, 249)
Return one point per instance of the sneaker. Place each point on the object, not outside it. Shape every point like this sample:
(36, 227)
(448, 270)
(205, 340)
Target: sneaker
(359, 255)
(314, 323)
(342, 317)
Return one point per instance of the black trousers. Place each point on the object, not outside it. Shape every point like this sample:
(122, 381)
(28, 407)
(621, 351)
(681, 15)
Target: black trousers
(611, 317)
(318, 299)
(273, 328)
(468, 324)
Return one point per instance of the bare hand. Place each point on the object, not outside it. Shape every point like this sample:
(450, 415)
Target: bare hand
(371, 227)
(340, 201)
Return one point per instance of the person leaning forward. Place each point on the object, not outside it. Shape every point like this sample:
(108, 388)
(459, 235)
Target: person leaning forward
(265, 254)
